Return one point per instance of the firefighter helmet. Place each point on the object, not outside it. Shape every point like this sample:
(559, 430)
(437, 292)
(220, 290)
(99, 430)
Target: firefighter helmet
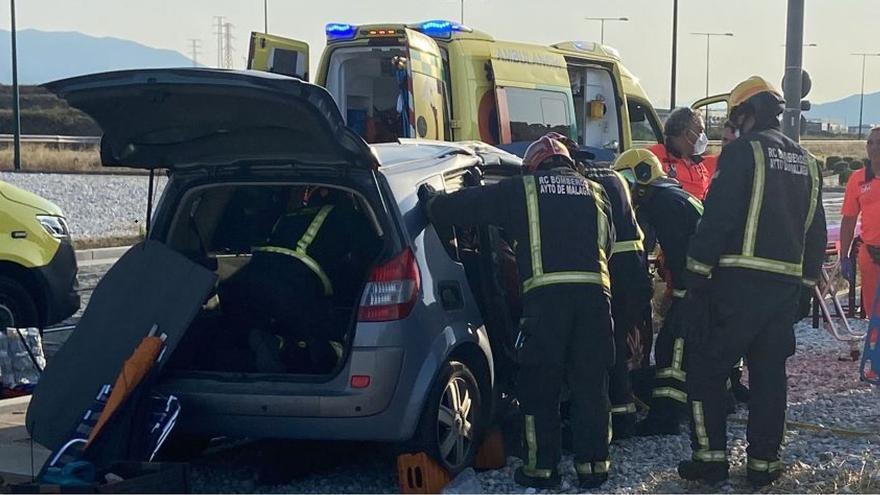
(639, 166)
(755, 91)
(546, 147)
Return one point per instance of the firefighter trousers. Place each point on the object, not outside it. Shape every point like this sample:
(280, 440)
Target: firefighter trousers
(566, 337)
(627, 308)
(752, 315)
(669, 393)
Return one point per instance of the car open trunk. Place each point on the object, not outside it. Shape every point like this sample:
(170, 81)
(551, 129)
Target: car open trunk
(226, 227)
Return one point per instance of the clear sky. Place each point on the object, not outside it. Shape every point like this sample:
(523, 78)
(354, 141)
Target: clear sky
(839, 27)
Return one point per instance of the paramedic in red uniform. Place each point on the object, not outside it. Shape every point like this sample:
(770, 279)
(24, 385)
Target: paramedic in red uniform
(862, 197)
(680, 154)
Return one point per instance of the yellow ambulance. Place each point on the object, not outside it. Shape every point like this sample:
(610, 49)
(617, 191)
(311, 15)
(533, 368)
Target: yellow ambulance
(445, 81)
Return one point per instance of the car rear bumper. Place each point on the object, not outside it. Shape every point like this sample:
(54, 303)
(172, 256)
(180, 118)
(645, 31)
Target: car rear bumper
(60, 285)
(259, 407)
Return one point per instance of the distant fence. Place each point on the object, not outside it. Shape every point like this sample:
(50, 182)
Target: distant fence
(45, 139)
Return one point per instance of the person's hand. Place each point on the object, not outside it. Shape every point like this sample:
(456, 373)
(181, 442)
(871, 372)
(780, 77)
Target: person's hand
(425, 193)
(804, 303)
(846, 267)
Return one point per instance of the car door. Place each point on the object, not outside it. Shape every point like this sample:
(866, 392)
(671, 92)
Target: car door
(271, 53)
(714, 111)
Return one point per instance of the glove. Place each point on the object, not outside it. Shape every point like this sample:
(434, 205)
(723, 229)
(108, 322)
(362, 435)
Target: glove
(805, 302)
(696, 321)
(846, 267)
(425, 193)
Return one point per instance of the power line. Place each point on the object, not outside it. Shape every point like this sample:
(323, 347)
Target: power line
(228, 49)
(219, 33)
(195, 47)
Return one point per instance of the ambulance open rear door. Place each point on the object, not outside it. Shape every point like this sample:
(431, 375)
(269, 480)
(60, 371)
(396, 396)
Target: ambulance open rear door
(270, 53)
(424, 98)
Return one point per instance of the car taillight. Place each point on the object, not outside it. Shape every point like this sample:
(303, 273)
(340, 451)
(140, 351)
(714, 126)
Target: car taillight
(391, 290)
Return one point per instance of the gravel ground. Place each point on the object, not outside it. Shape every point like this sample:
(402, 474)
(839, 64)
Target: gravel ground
(824, 392)
(95, 205)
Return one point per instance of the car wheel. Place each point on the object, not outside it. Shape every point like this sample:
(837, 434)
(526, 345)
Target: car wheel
(17, 307)
(453, 420)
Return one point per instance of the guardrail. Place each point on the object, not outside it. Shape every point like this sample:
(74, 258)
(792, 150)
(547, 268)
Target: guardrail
(47, 139)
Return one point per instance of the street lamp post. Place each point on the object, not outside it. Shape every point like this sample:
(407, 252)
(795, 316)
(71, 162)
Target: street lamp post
(266, 16)
(462, 13)
(602, 24)
(709, 37)
(16, 109)
(674, 52)
(862, 97)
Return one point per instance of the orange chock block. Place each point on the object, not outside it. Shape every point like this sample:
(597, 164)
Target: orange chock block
(418, 473)
(492, 454)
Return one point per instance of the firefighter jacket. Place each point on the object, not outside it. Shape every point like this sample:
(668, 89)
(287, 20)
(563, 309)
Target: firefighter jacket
(331, 241)
(673, 215)
(628, 261)
(764, 211)
(559, 221)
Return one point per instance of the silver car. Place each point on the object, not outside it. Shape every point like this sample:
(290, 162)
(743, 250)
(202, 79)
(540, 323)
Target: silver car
(423, 342)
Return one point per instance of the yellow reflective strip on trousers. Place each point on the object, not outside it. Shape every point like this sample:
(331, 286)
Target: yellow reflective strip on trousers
(672, 373)
(302, 245)
(670, 393)
(756, 202)
(306, 260)
(601, 467)
(628, 408)
(700, 425)
(761, 264)
(678, 353)
(710, 456)
(767, 466)
(583, 467)
(566, 278)
(679, 293)
(698, 267)
(534, 225)
(628, 246)
(531, 443)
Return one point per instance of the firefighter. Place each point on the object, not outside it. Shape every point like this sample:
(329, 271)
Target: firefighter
(561, 225)
(630, 283)
(673, 214)
(757, 251)
(681, 152)
(285, 295)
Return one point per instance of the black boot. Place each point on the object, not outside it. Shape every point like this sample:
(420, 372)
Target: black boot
(708, 472)
(521, 478)
(623, 426)
(762, 478)
(589, 481)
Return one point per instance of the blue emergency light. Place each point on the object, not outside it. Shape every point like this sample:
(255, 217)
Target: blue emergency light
(339, 31)
(441, 28)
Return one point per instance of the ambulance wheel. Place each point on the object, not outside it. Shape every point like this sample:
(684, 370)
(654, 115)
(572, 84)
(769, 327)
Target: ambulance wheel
(452, 422)
(17, 308)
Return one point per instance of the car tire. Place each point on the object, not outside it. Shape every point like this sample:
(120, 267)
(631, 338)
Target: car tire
(17, 308)
(453, 420)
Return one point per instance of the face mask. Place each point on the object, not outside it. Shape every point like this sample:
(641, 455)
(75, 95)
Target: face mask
(701, 144)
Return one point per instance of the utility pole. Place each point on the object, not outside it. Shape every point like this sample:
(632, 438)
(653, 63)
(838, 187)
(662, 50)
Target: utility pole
(196, 45)
(227, 39)
(708, 37)
(462, 13)
(602, 24)
(219, 32)
(16, 108)
(862, 97)
(266, 16)
(794, 70)
(674, 52)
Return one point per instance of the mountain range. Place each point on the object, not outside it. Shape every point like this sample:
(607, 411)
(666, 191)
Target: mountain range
(48, 55)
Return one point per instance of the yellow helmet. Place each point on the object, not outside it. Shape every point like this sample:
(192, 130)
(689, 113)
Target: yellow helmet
(750, 87)
(639, 166)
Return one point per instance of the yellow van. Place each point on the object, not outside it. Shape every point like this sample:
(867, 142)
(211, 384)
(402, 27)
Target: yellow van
(441, 80)
(38, 285)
